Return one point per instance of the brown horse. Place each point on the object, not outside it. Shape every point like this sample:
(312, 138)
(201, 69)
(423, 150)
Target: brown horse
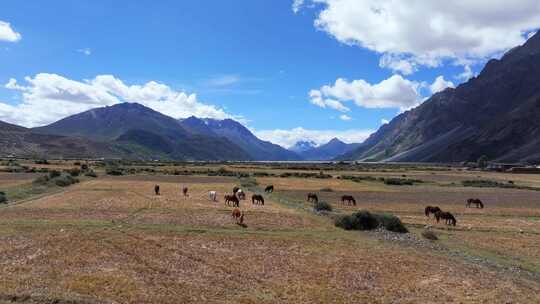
(312, 197)
(447, 217)
(240, 194)
(476, 202)
(185, 191)
(232, 199)
(156, 189)
(238, 216)
(257, 199)
(431, 210)
(349, 199)
(269, 189)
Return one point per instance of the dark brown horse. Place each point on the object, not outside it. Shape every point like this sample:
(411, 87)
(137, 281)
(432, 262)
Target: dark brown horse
(257, 199)
(238, 216)
(349, 199)
(269, 189)
(312, 197)
(475, 201)
(232, 199)
(447, 217)
(185, 191)
(156, 189)
(235, 189)
(431, 210)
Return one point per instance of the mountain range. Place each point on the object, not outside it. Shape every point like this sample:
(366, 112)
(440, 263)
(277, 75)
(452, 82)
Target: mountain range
(331, 150)
(496, 114)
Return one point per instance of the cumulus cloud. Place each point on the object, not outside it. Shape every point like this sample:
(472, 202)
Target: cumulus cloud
(49, 97)
(7, 33)
(297, 5)
(316, 98)
(466, 74)
(384, 121)
(287, 138)
(394, 92)
(345, 117)
(440, 84)
(426, 32)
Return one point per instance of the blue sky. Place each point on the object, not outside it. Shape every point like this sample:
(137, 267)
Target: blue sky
(263, 62)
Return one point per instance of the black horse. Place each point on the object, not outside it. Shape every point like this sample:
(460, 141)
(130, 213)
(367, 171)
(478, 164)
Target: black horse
(235, 189)
(475, 201)
(232, 199)
(156, 189)
(447, 217)
(269, 189)
(312, 197)
(349, 199)
(257, 199)
(431, 210)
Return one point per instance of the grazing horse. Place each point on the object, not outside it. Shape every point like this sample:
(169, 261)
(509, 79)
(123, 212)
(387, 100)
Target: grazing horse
(349, 199)
(238, 216)
(447, 217)
(312, 197)
(431, 209)
(184, 191)
(156, 189)
(240, 194)
(232, 199)
(235, 189)
(476, 202)
(212, 195)
(269, 189)
(257, 199)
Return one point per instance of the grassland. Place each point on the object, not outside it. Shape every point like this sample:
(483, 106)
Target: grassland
(111, 240)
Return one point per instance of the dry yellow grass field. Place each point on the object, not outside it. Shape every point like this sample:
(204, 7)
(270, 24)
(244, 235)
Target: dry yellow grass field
(111, 240)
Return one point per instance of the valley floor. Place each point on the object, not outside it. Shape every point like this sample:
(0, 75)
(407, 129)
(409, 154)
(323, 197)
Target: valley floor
(111, 240)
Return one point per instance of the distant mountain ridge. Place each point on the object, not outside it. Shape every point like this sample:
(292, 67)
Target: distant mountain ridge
(303, 145)
(496, 114)
(329, 151)
(235, 132)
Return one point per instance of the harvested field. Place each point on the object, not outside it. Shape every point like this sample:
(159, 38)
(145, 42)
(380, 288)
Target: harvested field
(112, 240)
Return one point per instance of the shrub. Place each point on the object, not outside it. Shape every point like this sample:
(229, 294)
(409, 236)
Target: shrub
(391, 223)
(41, 180)
(91, 173)
(430, 235)
(114, 171)
(399, 181)
(322, 206)
(84, 167)
(65, 181)
(3, 198)
(54, 173)
(327, 190)
(74, 172)
(361, 220)
(41, 162)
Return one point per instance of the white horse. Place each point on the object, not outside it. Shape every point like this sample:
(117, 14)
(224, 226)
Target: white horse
(212, 195)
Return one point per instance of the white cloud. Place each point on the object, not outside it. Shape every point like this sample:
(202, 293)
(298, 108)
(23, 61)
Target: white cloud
(317, 99)
(49, 97)
(440, 84)
(85, 51)
(427, 32)
(467, 73)
(223, 80)
(394, 92)
(297, 5)
(7, 33)
(345, 117)
(384, 121)
(287, 138)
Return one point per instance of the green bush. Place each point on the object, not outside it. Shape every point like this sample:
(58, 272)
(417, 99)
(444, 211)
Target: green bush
(41, 180)
(54, 174)
(430, 235)
(361, 220)
(391, 223)
(41, 162)
(114, 171)
(91, 173)
(399, 181)
(66, 180)
(322, 206)
(74, 172)
(3, 198)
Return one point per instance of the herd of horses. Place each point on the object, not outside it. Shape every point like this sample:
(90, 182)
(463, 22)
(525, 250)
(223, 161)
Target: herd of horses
(448, 217)
(257, 199)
